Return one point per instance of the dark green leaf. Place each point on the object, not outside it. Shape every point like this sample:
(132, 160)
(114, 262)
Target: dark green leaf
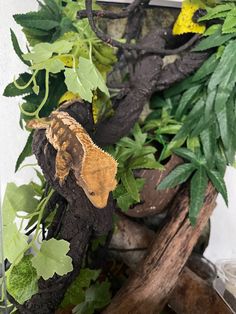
(218, 182)
(215, 40)
(17, 48)
(206, 69)
(197, 193)
(26, 152)
(186, 154)
(11, 90)
(179, 175)
(220, 161)
(208, 140)
(217, 11)
(35, 20)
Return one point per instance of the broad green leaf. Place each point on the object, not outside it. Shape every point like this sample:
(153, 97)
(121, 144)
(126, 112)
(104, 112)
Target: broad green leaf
(129, 183)
(17, 48)
(26, 152)
(14, 242)
(177, 176)
(20, 198)
(215, 40)
(75, 294)
(51, 65)
(52, 259)
(76, 85)
(96, 297)
(198, 188)
(218, 182)
(40, 52)
(11, 90)
(22, 283)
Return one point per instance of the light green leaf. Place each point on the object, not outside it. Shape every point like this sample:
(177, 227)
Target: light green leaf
(177, 176)
(229, 25)
(20, 198)
(40, 52)
(14, 242)
(129, 183)
(218, 182)
(52, 259)
(22, 283)
(216, 11)
(51, 65)
(145, 162)
(197, 193)
(76, 85)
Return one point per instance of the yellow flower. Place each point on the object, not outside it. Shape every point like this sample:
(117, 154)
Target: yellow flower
(184, 23)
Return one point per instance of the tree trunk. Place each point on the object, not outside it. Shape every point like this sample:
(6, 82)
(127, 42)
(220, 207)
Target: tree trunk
(149, 287)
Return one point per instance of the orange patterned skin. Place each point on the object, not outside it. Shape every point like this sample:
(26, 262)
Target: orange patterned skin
(94, 169)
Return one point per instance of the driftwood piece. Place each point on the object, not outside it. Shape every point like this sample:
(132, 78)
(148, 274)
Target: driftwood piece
(154, 201)
(193, 295)
(148, 288)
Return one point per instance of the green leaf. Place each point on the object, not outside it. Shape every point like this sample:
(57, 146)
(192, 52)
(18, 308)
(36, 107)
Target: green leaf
(20, 198)
(52, 259)
(215, 40)
(186, 154)
(208, 140)
(206, 69)
(75, 294)
(177, 176)
(129, 183)
(216, 11)
(145, 162)
(35, 20)
(17, 48)
(11, 90)
(218, 182)
(22, 283)
(14, 242)
(229, 25)
(26, 152)
(198, 188)
(96, 297)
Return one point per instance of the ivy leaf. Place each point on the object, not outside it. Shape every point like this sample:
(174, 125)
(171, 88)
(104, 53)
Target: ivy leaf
(26, 152)
(179, 175)
(52, 259)
(197, 193)
(218, 182)
(22, 283)
(75, 294)
(96, 297)
(17, 48)
(14, 242)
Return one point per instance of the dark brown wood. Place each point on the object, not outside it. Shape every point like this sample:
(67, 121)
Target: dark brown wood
(193, 295)
(148, 288)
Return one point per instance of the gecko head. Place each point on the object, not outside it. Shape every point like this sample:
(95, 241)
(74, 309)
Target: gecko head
(99, 179)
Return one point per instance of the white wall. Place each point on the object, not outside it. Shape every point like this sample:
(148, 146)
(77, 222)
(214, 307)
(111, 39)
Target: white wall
(12, 138)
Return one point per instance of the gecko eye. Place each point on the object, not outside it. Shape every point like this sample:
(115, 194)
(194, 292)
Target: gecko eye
(91, 193)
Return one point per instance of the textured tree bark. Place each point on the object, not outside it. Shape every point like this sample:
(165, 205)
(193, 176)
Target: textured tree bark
(149, 287)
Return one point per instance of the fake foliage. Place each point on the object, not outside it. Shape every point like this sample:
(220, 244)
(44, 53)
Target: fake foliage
(194, 119)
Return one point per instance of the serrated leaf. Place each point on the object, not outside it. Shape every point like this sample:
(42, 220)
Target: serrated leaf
(26, 152)
(75, 294)
(186, 154)
(216, 11)
(11, 90)
(22, 283)
(129, 183)
(46, 261)
(177, 176)
(198, 188)
(14, 242)
(145, 162)
(17, 48)
(218, 182)
(229, 25)
(35, 20)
